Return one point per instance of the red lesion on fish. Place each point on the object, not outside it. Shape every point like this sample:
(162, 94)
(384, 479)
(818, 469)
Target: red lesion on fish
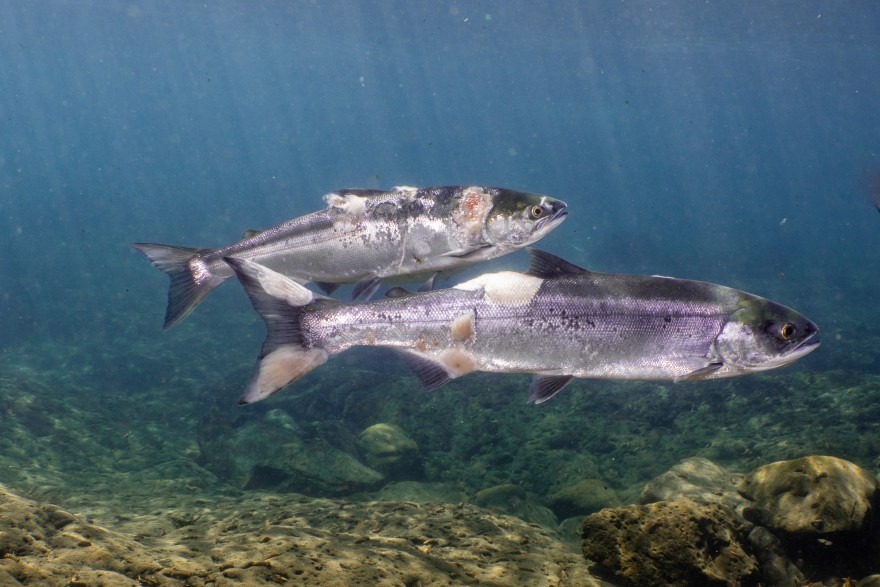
(472, 210)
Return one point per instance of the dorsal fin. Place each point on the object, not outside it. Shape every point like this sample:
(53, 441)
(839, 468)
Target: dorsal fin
(547, 266)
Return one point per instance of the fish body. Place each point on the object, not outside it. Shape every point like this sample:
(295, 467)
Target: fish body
(366, 236)
(557, 322)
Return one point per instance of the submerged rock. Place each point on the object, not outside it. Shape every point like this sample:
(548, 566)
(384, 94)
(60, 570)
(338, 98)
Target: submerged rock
(315, 468)
(669, 543)
(516, 501)
(421, 492)
(274, 453)
(811, 495)
(388, 449)
(583, 498)
(698, 479)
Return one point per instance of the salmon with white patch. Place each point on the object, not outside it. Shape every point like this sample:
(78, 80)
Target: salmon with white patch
(557, 322)
(367, 236)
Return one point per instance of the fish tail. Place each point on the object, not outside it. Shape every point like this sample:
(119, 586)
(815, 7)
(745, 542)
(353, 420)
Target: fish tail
(191, 280)
(281, 302)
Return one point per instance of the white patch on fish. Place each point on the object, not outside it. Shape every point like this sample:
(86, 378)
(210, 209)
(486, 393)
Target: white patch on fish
(354, 206)
(462, 327)
(457, 362)
(505, 288)
(407, 190)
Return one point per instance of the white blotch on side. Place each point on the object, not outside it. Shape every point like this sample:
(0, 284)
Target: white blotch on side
(505, 288)
(351, 204)
(457, 362)
(407, 190)
(462, 327)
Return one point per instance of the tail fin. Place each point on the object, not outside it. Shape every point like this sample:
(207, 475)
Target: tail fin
(280, 301)
(190, 278)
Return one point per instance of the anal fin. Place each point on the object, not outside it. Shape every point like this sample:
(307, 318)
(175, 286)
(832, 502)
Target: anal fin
(546, 386)
(430, 373)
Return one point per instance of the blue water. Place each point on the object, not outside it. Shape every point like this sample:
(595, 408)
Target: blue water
(730, 142)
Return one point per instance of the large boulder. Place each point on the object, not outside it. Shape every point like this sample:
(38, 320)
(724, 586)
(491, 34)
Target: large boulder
(583, 498)
(388, 449)
(515, 501)
(273, 453)
(810, 496)
(669, 543)
(698, 479)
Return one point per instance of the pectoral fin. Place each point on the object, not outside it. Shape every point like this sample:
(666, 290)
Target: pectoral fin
(701, 373)
(464, 252)
(546, 386)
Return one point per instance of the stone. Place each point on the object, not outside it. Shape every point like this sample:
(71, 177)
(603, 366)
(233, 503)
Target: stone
(388, 449)
(583, 498)
(569, 531)
(265, 540)
(812, 495)
(421, 492)
(273, 453)
(678, 542)
(698, 479)
(516, 501)
(776, 567)
(319, 469)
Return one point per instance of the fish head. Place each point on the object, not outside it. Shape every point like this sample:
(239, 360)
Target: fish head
(761, 335)
(518, 219)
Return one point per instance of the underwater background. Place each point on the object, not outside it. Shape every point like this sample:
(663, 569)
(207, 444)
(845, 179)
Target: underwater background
(737, 143)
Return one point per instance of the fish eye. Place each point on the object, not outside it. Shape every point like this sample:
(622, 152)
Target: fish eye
(536, 212)
(786, 331)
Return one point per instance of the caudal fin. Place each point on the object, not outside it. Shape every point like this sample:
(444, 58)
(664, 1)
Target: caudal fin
(190, 278)
(285, 356)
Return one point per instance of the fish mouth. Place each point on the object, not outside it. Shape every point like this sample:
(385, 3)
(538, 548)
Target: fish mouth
(545, 225)
(805, 347)
(808, 345)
